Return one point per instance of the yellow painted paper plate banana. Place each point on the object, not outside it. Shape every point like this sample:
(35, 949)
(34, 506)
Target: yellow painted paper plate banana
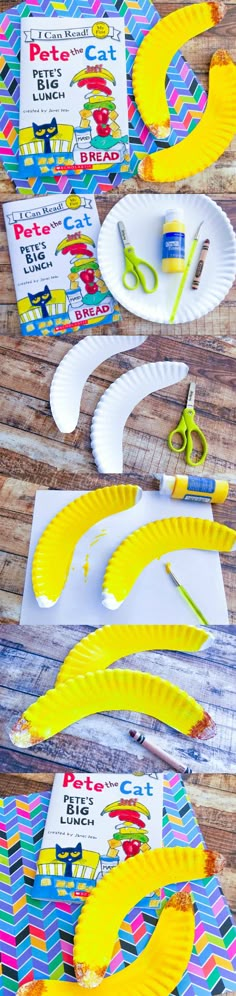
(211, 136)
(151, 542)
(170, 947)
(119, 892)
(54, 552)
(109, 690)
(156, 53)
(106, 645)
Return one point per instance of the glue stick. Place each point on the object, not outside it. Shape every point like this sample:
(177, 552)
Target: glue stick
(173, 242)
(190, 488)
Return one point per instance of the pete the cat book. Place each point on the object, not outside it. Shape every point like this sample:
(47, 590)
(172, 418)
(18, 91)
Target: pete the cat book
(95, 821)
(73, 96)
(52, 243)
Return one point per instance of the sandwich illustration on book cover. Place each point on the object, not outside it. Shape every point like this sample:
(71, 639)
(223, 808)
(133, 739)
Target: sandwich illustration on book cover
(52, 243)
(73, 95)
(95, 821)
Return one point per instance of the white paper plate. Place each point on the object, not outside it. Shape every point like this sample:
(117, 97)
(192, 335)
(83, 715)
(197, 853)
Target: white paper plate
(75, 368)
(143, 216)
(118, 401)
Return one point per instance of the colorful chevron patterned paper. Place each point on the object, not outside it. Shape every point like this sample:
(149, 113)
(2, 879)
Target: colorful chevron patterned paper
(186, 97)
(36, 939)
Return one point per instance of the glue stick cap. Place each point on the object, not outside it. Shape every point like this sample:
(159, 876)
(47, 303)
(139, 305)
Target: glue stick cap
(166, 482)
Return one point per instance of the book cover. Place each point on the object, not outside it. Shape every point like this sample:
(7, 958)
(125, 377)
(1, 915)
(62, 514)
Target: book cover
(95, 821)
(53, 248)
(73, 95)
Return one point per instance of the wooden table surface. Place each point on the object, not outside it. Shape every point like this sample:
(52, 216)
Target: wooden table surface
(30, 658)
(212, 796)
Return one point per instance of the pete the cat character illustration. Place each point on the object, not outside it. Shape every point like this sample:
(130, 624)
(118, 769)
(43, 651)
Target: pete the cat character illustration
(40, 300)
(69, 855)
(45, 132)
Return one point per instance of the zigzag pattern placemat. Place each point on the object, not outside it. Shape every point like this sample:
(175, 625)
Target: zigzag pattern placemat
(36, 939)
(186, 97)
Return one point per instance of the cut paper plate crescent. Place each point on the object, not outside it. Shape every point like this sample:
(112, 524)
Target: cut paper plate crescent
(104, 646)
(109, 691)
(118, 401)
(152, 541)
(143, 216)
(170, 947)
(54, 551)
(75, 368)
(119, 892)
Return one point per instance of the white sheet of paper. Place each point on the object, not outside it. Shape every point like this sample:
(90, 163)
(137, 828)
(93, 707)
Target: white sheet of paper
(154, 598)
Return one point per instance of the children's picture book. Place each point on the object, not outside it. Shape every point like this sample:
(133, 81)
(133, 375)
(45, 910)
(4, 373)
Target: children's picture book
(53, 248)
(73, 95)
(95, 821)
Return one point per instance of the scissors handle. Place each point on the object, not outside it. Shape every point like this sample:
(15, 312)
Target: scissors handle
(185, 428)
(132, 266)
(182, 431)
(130, 269)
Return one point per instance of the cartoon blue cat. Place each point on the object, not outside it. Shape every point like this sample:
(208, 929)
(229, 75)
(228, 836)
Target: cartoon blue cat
(69, 855)
(46, 132)
(40, 299)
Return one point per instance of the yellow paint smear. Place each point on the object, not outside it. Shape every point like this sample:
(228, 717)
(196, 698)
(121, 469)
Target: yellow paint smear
(86, 567)
(86, 564)
(98, 537)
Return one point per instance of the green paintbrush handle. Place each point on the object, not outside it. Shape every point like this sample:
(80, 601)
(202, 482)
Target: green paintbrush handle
(183, 280)
(193, 605)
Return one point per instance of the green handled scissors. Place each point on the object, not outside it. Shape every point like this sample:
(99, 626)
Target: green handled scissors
(132, 266)
(185, 428)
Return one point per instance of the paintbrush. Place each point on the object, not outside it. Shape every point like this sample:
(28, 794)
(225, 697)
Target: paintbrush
(186, 596)
(185, 274)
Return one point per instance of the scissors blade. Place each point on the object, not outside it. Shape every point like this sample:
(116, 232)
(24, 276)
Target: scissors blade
(191, 395)
(123, 235)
